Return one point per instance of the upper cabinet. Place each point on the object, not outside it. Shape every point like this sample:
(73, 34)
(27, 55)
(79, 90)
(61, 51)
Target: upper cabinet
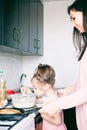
(21, 26)
(36, 27)
(10, 24)
(16, 24)
(0, 22)
(40, 28)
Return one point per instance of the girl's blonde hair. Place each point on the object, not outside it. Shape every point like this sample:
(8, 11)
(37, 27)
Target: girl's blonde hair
(45, 74)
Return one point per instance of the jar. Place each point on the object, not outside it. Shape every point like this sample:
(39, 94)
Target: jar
(2, 86)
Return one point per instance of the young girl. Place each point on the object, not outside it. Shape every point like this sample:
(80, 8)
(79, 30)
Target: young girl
(43, 81)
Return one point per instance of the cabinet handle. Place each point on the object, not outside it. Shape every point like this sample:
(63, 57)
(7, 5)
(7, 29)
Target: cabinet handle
(38, 44)
(20, 36)
(15, 34)
(35, 43)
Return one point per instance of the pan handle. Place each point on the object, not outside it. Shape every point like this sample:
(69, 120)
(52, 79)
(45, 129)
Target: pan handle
(35, 110)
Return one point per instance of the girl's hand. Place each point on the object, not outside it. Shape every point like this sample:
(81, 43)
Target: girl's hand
(26, 90)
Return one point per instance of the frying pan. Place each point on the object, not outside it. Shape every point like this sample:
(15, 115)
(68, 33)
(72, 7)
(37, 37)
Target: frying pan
(23, 113)
(10, 117)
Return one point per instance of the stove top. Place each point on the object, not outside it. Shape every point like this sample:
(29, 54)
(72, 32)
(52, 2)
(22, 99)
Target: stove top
(7, 123)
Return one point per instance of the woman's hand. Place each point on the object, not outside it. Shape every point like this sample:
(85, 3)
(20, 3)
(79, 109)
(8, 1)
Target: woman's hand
(53, 119)
(50, 108)
(46, 116)
(64, 91)
(61, 92)
(67, 90)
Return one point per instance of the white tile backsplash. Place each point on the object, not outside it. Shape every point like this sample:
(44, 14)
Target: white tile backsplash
(12, 66)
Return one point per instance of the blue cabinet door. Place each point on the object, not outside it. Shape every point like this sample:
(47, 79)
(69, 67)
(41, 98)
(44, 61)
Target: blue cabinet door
(40, 28)
(10, 23)
(16, 24)
(33, 28)
(0, 21)
(23, 25)
(36, 27)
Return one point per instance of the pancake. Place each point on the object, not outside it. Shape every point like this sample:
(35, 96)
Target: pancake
(9, 111)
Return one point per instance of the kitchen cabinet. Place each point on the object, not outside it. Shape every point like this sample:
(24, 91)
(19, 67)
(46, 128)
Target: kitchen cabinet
(36, 27)
(0, 22)
(16, 24)
(22, 27)
(40, 28)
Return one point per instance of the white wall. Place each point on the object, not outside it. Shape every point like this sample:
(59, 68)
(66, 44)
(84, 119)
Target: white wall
(12, 66)
(58, 47)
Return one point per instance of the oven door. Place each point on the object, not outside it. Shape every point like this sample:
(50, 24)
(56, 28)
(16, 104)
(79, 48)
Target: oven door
(27, 123)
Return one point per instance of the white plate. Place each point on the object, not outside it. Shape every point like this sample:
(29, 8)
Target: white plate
(4, 103)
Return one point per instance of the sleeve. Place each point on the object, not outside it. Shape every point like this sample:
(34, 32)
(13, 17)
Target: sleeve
(71, 89)
(75, 99)
(79, 95)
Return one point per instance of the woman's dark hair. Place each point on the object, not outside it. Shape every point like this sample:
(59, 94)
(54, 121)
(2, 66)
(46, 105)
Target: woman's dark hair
(80, 5)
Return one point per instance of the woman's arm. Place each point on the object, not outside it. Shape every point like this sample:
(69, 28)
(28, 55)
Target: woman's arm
(79, 95)
(54, 119)
(67, 90)
(72, 100)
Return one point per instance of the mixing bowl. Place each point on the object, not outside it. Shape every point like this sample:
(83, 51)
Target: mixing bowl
(20, 101)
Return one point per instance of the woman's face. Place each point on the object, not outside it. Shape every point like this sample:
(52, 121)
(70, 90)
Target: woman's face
(77, 20)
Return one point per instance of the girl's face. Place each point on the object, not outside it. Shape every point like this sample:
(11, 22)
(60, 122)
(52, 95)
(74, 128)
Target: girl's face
(77, 20)
(38, 88)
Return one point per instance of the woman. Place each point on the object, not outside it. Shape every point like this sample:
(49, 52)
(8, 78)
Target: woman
(76, 95)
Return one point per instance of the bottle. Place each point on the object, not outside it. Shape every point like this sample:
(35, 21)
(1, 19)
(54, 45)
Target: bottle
(2, 86)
